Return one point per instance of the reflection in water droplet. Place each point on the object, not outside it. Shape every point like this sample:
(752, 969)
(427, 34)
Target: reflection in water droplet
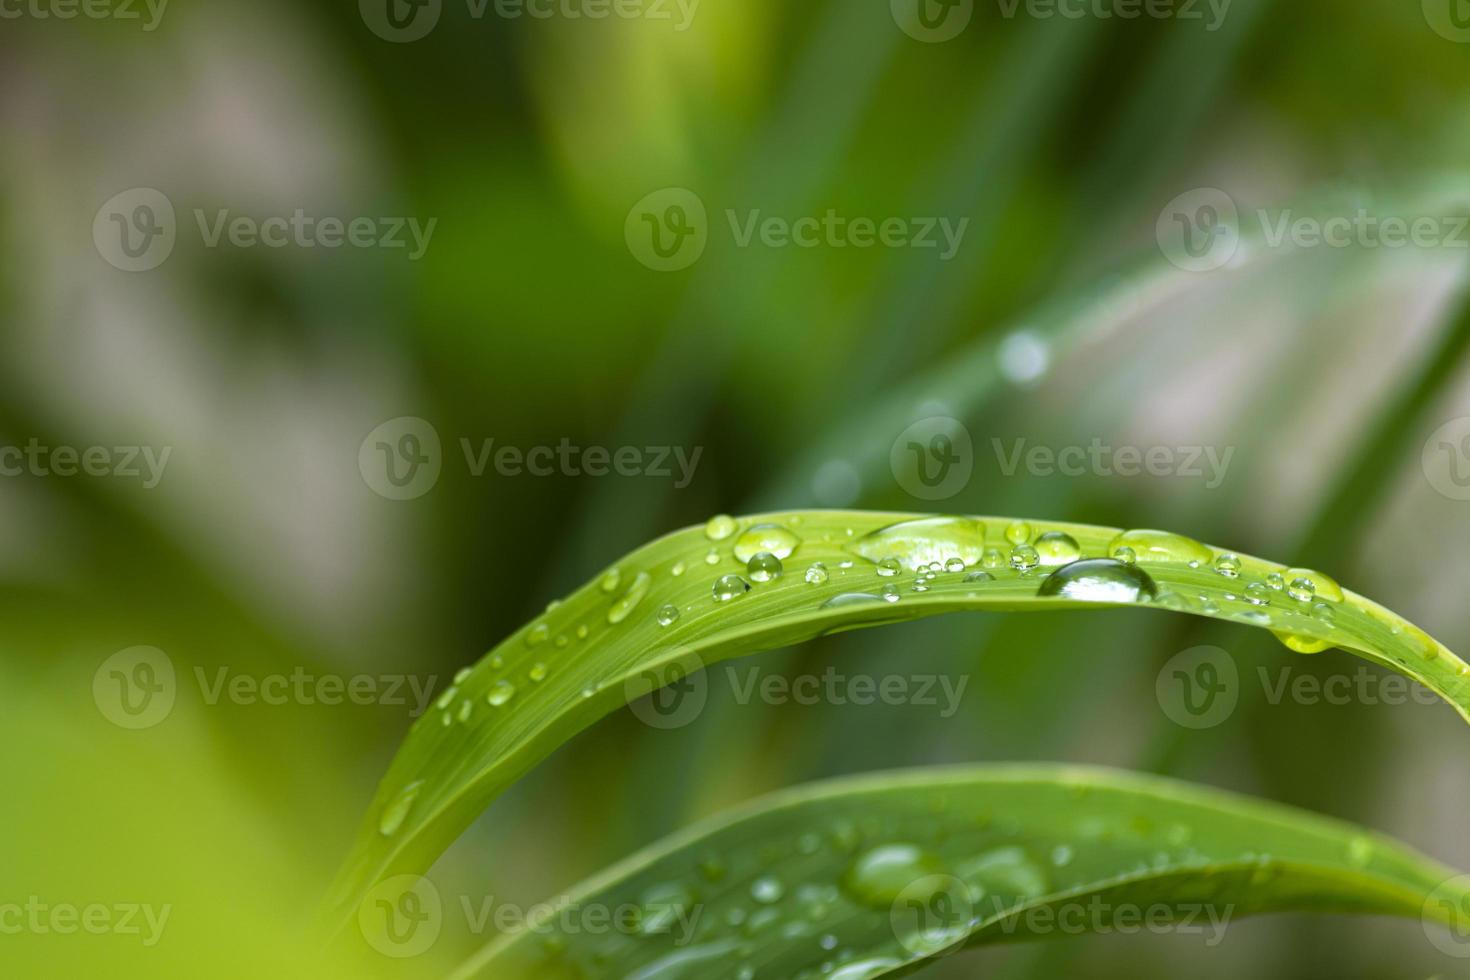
(667, 615)
(1100, 580)
(1024, 557)
(1275, 581)
(1228, 565)
(728, 587)
(889, 567)
(1301, 589)
(772, 538)
(1125, 554)
(816, 574)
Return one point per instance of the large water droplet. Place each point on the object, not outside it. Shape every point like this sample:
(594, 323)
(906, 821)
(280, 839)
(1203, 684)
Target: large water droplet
(850, 599)
(764, 567)
(1100, 580)
(728, 587)
(772, 538)
(920, 543)
(630, 599)
(397, 809)
(1151, 545)
(878, 876)
(1057, 548)
(1302, 644)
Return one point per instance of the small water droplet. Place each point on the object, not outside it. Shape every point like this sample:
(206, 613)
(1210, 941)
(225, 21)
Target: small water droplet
(396, 811)
(621, 609)
(446, 698)
(954, 565)
(720, 527)
(1228, 565)
(538, 635)
(850, 599)
(1024, 557)
(667, 614)
(889, 593)
(764, 567)
(889, 567)
(1301, 589)
(466, 708)
(462, 675)
(537, 673)
(1275, 581)
(767, 890)
(611, 579)
(499, 694)
(816, 574)
(1018, 532)
(1257, 594)
(980, 577)
(1323, 586)
(582, 632)
(728, 587)
(677, 569)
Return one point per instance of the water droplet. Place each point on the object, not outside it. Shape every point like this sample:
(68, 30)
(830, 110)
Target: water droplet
(889, 567)
(994, 558)
(1275, 581)
(502, 692)
(630, 599)
(1100, 580)
(538, 635)
(850, 599)
(445, 698)
(720, 527)
(772, 538)
(611, 579)
(954, 565)
(1018, 532)
(1300, 643)
(1125, 554)
(667, 614)
(1323, 586)
(767, 890)
(1024, 557)
(1228, 565)
(728, 587)
(764, 567)
(713, 558)
(1322, 612)
(1150, 545)
(396, 811)
(677, 569)
(466, 708)
(582, 632)
(1062, 855)
(661, 906)
(537, 673)
(889, 593)
(878, 876)
(1057, 548)
(1301, 589)
(816, 574)
(1257, 594)
(922, 543)
(462, 675)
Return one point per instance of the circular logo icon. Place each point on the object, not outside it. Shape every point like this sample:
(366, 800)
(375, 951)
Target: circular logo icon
(402, 916)
(1199, 688)
(1450, 19)
(135, 231)
(667, 230)
(135, 688)
(934, 458)
(668, 696)
(932, 914)
(932, 21)
(1446, 459)
(400, 21)
(1199, 231)
(1446, 917)
(401, 459)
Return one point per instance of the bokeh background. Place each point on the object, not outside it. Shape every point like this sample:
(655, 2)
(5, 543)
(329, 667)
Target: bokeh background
(264, 550)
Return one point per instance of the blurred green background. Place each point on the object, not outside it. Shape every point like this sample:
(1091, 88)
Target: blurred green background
(266, 550)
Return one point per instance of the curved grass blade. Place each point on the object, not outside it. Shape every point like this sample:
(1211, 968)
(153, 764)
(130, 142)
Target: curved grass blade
(866, 877)
(712, 593)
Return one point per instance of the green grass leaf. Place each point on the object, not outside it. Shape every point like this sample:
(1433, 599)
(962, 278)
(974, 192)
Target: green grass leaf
(696, 597)
(879, 874)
